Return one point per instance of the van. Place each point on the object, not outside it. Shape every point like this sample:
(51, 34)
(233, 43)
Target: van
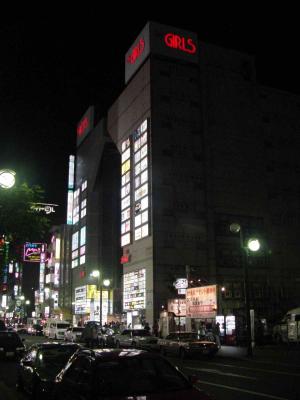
(288, 329)
(55, 328)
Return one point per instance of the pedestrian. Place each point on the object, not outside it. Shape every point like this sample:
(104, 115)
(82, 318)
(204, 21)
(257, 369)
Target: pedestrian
(147, 327)
(155, 329)
(216, 333)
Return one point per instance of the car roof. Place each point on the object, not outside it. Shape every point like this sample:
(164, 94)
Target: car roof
(50, 345)
(115, 354)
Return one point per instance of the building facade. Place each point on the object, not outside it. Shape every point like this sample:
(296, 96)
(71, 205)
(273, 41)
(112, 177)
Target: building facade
(192, 144)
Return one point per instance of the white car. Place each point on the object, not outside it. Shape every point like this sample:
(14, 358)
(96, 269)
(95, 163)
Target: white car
(74, 334)
(138, 338)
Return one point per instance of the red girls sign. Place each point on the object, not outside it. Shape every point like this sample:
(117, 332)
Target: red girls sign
(136, 51)
(180, 43)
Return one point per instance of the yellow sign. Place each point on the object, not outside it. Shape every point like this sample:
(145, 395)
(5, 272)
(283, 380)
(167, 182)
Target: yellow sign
(91, 292)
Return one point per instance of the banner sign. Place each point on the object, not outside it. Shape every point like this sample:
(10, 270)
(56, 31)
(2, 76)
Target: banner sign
(201, 302)
(32, 252)
(177, 306)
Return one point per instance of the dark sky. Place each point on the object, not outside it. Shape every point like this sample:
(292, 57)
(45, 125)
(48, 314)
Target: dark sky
(53, 67)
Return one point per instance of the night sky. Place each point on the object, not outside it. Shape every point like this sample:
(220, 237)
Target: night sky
(53, 66)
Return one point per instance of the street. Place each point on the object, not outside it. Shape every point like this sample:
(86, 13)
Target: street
(273, 373)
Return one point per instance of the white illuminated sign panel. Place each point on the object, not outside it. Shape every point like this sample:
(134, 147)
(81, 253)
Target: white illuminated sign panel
(177, 306)
(134, 294)
(201, 302)
(80, 300)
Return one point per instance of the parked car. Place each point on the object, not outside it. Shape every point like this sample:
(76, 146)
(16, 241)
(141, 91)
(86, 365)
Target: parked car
(74, 334)
(40, 365)
(36, 330)
(116, 374)
(55, 328)
(11, 345)
(138, 338)
(187, 343)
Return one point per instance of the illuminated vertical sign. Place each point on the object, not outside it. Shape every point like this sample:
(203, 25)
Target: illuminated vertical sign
(125, 192)
(71, 182)
(32, 252)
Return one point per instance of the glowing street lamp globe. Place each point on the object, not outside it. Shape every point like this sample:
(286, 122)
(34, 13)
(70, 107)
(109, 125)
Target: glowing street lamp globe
(253, 244)
(7, 178)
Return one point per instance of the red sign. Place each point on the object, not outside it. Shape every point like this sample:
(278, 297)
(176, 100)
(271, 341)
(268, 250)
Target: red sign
(124, 259)
(180, 43)
(83, 126)
(136, 52)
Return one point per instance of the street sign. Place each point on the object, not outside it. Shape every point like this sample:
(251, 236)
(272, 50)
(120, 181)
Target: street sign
(181, 283)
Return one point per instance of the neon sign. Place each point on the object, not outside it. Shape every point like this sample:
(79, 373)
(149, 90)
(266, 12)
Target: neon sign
(32, 252)
(136, 52)
(83, 126)
(180, 43)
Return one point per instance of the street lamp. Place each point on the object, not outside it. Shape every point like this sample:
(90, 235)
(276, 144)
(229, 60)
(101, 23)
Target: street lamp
(252, 245)
(105, 283)
(7, 178)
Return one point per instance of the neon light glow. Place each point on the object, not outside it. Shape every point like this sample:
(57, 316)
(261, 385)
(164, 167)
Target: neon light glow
(83, 126)
(136, 52)
(180, 43)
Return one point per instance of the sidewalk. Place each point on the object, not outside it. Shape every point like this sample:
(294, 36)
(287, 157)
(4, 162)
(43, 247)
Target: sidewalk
(268, 353)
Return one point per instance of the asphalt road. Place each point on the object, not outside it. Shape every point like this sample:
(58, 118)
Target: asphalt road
(275, 375)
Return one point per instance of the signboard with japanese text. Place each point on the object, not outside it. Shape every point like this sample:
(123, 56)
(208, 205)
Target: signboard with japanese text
(201, 302)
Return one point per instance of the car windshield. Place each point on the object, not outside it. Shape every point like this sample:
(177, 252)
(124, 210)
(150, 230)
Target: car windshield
(54, 358)
(63, 326)
(134, 376)
(78, 329)
(190, 336)
(140, 332)
(10, 338)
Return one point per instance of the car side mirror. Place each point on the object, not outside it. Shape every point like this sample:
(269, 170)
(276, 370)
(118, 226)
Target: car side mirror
(193, 379)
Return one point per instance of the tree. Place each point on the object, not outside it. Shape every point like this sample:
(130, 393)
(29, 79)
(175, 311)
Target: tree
(18, 222)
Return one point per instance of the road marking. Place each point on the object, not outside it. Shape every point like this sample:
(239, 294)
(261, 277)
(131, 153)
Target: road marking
(270, 396)
(270, 371)
(216, 371)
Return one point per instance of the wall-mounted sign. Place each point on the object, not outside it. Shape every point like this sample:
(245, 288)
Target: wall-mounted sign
(161, 40)
(85, 125)
(177, 306)
(201, 302)
(134, 294)
(32, 252)
(181, 283)
(47, 208)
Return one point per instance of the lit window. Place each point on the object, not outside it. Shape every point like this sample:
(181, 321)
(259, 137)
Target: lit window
(138, 220)
(84, 185)
(144, 203)
(138, 234)
(145, 217)
(83, 213)
(137, 157)
(74, 254)
(75, 241)
(75, 263)
(82, 250)
(125, 203)
(141, 192)
(144, 176)
(144, 138)
(144, 151)
(125, 239)
(126, 155)
(144, 126)
(125, 190)
(144, 164)
(145, 230)
(125, 227)
(125, 167)
(83, 204)
(82, 235)
(82, 259)
(137, 181)
(137, 169)
(125, 144)
(125, 214)
(126, 178)
(137, 144)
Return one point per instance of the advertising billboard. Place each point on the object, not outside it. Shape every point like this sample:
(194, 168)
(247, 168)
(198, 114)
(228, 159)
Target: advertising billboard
(201, 302)
(32, 252)
(177, 306)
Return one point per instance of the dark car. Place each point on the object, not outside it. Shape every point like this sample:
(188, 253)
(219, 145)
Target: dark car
(188, 343)
(123, 374)
(40, 365)
(11, 345)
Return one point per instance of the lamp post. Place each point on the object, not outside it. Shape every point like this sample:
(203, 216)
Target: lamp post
(105, 283)
(7, 178)
(253, 245)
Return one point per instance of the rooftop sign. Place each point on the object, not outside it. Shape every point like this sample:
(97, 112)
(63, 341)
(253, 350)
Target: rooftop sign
(160, 40)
